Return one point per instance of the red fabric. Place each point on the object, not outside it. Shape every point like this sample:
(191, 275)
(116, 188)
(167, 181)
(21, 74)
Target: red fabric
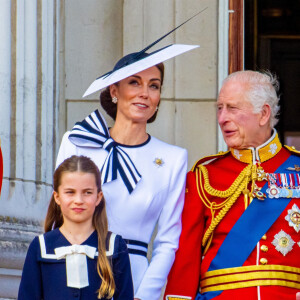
(186, 272)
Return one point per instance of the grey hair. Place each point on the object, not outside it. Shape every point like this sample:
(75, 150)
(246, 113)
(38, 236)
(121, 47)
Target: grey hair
(261, 88)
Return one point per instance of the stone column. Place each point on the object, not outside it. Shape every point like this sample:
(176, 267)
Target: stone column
(28, 97)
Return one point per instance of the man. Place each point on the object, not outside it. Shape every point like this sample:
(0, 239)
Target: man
(241, 219)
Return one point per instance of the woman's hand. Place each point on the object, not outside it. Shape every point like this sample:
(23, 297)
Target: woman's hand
(136, 299)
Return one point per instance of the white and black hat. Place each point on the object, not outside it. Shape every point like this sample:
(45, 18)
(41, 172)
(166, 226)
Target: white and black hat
(139, 61)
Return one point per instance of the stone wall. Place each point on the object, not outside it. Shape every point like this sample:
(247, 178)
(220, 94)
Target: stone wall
(28, 132)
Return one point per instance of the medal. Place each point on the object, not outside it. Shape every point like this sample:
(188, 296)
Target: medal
(293, 217)
(283, 242)
(283, 185)
(273, 191)
(296, 168)
(261, 175)
(257, 193)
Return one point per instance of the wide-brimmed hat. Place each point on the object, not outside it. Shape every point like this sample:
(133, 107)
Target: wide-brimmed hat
(137, 64)
(139, 61)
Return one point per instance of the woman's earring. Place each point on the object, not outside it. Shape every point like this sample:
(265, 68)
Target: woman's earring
(156, 109)
(114, 100)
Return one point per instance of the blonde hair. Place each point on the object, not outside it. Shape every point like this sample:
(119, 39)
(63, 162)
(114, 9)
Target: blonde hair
(54, 218)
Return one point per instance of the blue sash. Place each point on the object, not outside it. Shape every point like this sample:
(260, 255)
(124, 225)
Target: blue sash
(230, 256)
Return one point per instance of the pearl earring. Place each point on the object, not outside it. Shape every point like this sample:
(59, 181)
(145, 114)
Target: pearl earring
(156, 109)
(114, 100)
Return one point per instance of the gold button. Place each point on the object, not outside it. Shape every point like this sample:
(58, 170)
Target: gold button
(264, 237)
(263, 261)
(186, 190)
(264, 248)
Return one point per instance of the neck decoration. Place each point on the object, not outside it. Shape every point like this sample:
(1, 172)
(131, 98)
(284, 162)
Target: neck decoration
(93, 132)
(76, 263)
(260, 154)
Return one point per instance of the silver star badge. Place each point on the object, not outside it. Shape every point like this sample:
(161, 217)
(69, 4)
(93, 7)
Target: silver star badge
(283, 242)
(293, 217)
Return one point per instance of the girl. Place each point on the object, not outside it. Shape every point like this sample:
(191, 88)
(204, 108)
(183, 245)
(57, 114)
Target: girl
(79, 258)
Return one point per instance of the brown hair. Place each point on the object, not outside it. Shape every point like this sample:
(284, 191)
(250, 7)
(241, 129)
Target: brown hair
(111, 108)
(54, 218)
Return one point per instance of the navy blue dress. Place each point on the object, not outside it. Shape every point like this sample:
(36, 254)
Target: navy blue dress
(44, 277)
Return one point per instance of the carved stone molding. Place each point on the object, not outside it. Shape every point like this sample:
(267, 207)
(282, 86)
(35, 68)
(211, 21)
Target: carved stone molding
(15, 237)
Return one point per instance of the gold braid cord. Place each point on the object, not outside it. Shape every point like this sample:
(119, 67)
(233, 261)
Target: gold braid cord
(231, 195)
(223, 194)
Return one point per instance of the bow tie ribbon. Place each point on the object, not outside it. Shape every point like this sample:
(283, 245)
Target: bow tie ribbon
(76, 263)
(93, 132)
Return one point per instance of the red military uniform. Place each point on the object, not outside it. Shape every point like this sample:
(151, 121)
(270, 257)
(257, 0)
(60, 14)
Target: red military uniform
(217, 195)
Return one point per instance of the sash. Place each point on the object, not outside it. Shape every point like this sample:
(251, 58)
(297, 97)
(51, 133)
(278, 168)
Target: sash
(229, 256)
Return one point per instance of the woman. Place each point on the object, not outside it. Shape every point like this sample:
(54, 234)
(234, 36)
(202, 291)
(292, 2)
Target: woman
(144, 178)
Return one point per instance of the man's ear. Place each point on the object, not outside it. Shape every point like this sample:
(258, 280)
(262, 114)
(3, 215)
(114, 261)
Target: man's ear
(265, 114)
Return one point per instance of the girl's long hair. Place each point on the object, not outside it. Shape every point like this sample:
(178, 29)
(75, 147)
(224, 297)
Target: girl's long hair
(54, 218)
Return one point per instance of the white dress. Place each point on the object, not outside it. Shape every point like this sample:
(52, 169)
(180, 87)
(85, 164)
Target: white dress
(157, 198)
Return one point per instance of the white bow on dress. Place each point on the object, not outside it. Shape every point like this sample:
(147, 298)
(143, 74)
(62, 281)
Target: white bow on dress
(76, 263)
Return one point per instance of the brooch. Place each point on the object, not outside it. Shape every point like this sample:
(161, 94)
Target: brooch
(296, 168)
(158, 161)
(293, 217)
(283, 242)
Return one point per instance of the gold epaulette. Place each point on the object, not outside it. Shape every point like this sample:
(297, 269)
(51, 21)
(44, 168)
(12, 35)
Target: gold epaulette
(208, 158)
(292, 149)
